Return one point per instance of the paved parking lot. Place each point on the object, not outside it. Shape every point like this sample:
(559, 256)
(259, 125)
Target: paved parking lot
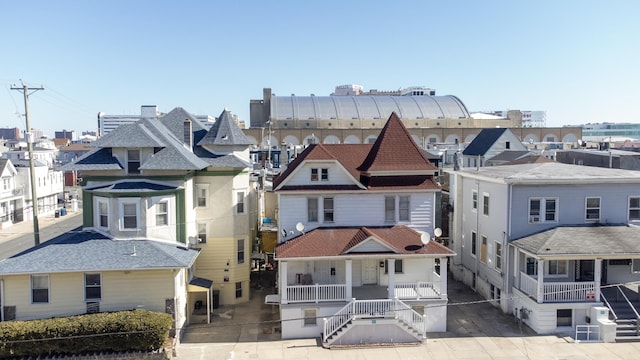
(476, 330)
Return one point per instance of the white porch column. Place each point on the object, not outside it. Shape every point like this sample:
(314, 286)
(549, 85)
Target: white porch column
(391, 271)
(444, 271)
(597, 275)
(516, 268)
(348, 274)
(540, 281)
(282, 268)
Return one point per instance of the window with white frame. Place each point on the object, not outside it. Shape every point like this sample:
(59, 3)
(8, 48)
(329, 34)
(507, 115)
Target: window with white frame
(238, 290)
(531, 266)
(312, 209)
(6, 183)
(310, 317)
(39, 289)
(202, 194)
(103, 214)
(162, 213)
(129, 215)
(485, 204)
(592, 209)
(483, 249)
(202, 232)
(403, 208)
(133, 161)
(240, 251)
(390, 208)
(557, 267)
(543, 210)
(398, 266)
(240, 202)
(474, 200)
(498, 255)
(634, 208)
(324, 174)
(327, 209)
(92, 286)
(474, 243)
(314, 174)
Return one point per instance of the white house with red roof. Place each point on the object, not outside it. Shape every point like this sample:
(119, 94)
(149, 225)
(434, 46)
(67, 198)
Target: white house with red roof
(355, 260)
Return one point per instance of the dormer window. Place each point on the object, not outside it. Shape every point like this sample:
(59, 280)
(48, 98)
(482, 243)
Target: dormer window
(319, 174)
(133, 161)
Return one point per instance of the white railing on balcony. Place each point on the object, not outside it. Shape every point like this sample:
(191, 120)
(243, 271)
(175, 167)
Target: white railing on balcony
(417, 290)
(557, 291)
(316, 293)
(367, 309)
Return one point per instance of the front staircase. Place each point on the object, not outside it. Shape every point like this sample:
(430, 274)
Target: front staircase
(359, 323)
(624, 304)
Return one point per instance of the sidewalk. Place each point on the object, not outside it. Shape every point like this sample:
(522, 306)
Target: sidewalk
(476, 330)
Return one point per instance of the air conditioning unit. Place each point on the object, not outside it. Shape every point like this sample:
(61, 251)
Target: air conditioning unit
(534, 219)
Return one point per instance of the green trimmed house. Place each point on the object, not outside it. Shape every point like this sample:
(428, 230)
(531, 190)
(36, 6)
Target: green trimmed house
(167, 225)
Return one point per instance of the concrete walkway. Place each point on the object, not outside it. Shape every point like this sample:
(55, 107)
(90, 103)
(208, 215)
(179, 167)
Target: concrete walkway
(477, 330)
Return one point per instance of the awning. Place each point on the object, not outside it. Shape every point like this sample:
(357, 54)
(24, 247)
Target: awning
(199, 284)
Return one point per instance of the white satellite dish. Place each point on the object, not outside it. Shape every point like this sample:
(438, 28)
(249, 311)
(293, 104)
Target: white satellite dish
(300, 227)
(424, 237)
(437, 232)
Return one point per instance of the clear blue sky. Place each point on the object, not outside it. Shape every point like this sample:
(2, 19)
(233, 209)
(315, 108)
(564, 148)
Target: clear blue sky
(577, 60)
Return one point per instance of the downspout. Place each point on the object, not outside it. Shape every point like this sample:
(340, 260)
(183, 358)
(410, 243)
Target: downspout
(2, 300)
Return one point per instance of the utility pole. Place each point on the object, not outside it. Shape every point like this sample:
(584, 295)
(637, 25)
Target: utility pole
(26, 91)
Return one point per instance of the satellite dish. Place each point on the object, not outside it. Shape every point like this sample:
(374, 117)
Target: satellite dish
(437, 232)
(300, 227)
(425, 238)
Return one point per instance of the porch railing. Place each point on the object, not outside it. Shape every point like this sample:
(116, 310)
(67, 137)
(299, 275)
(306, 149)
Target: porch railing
(557, 291)
(316, 293)
(418, 290)
(371, 309)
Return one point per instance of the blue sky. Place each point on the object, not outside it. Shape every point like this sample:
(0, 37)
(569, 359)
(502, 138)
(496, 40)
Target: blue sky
(577, 60)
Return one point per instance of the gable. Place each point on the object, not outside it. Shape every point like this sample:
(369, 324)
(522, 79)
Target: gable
(370, 245)
(302, 176)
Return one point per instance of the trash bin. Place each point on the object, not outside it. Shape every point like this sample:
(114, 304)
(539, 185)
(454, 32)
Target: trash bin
(57, 213)
(63, 212)
(216, 299)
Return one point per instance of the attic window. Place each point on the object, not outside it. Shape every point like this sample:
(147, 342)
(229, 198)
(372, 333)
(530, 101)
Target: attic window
(133, 161)
(507, 145)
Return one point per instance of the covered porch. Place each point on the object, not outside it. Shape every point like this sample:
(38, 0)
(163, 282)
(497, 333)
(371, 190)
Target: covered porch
(343, 280)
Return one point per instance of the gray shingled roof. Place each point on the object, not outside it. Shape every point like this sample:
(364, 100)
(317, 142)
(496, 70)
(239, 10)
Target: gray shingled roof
(586, 241)
(510, 155)
(225, 132)
(553, 172)
(134, 134)
(132, 186)
(483, 142)
(174, 121)
(97, 159)
(91, 251)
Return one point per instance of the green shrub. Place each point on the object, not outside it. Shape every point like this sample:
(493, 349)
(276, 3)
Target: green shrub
(136, 330)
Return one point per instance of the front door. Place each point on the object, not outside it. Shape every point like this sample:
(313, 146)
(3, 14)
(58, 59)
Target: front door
(369, 272)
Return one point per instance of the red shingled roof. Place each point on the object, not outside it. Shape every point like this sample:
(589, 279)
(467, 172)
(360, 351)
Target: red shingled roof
(319, 242)
(393, 152)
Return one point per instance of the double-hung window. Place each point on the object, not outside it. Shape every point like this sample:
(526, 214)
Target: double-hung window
(162, 213)
(133, 161)
(474, 200)
(557, 267)
(92, 286)
(202, 232)
(328, 209)
(240, 202)
(543, 210)
(129, 215)
(403, 208)
(474, 243)
(238, 290)
(314, 174)
(592, 209)
(485, 204)
(312, 209)
(483, 250)
(103, 214)
(498, 255)
(40, 289)
(324, 174)
(390, 208)
(240, 251)
(202, 193)
(634, 208)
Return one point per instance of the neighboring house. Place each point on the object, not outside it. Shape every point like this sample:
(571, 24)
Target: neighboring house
(49, 186)
(507, 156)
(489, 143)
(88, 272)
(542, 238)
(172, 181)
(43, 150)
(11, 197)
(614, 158)
(353, 266)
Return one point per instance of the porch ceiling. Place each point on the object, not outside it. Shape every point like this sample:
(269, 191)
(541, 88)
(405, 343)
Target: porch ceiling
(587, 241)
